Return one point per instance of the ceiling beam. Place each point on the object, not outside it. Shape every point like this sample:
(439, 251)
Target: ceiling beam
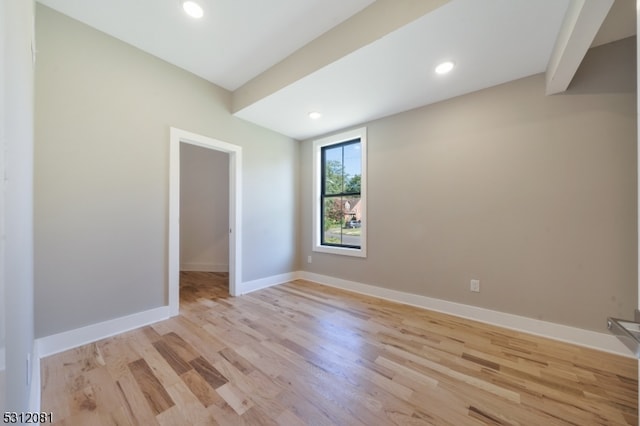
(372, 23)
(580, 26)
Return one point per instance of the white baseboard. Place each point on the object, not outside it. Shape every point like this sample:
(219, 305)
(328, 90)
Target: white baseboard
(204, 267)
(249, 286)
(60, 342)
(56, 343)
(578, 336)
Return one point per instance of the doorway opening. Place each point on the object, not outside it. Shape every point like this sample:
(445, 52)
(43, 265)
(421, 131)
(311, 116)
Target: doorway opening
(178, 137)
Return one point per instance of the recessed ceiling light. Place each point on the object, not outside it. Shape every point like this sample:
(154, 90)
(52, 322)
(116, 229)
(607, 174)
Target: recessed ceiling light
(314, 115)
(193, 9)
(445, 67)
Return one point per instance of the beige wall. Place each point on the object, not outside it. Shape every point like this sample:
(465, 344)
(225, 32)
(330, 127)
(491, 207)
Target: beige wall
(204, 209)
(103, 112)
(535, 196)
(16, 207)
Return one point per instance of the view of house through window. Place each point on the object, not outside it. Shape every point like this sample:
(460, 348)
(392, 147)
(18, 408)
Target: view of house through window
(341, 198)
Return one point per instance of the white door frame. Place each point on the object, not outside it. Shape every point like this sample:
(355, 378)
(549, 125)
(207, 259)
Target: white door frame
(178, 136)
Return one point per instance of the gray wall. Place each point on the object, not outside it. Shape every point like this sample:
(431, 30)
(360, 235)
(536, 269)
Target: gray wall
(204, 209)
(16, 209)
(535, 196)
(103, 112)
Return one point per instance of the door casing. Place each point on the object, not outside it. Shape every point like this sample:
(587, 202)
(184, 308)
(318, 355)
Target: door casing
(178, 136)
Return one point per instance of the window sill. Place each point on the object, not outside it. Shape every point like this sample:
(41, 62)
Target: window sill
(343, 251)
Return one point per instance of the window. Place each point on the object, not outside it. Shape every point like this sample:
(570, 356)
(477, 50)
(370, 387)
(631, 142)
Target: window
(339, 202)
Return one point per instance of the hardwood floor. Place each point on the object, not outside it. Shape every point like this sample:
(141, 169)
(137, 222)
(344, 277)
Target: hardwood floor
(304, 354)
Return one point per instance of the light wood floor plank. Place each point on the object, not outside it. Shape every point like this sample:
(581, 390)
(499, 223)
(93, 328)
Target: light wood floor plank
(301, 353)
(135, 405)
(154, 392)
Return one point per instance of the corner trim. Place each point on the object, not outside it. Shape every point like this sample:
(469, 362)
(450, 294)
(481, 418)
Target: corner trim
(60, 342)
(577, 336)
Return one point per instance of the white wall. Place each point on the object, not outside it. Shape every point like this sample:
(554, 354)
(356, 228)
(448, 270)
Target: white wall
(204, 209)
(103, 114)
(16, 209)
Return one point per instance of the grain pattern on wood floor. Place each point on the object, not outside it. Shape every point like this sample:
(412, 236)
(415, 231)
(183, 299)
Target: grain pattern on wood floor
(301, 353)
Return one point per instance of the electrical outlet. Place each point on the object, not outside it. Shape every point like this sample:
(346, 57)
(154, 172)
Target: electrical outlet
(475, 286)
(309, 259)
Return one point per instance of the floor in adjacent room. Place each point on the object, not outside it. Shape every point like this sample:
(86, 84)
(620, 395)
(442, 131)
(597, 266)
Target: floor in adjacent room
(304, 354)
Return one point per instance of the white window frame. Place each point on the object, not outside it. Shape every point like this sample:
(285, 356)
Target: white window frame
(361, 134)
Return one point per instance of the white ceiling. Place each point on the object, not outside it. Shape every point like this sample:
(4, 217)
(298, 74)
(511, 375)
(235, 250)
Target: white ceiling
(234, 41)
(239, 41)
(491, 42)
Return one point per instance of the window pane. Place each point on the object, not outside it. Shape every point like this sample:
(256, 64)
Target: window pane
(352, 221)
(333, 220)
(352, 167)
(342, 221)
(333, 170)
